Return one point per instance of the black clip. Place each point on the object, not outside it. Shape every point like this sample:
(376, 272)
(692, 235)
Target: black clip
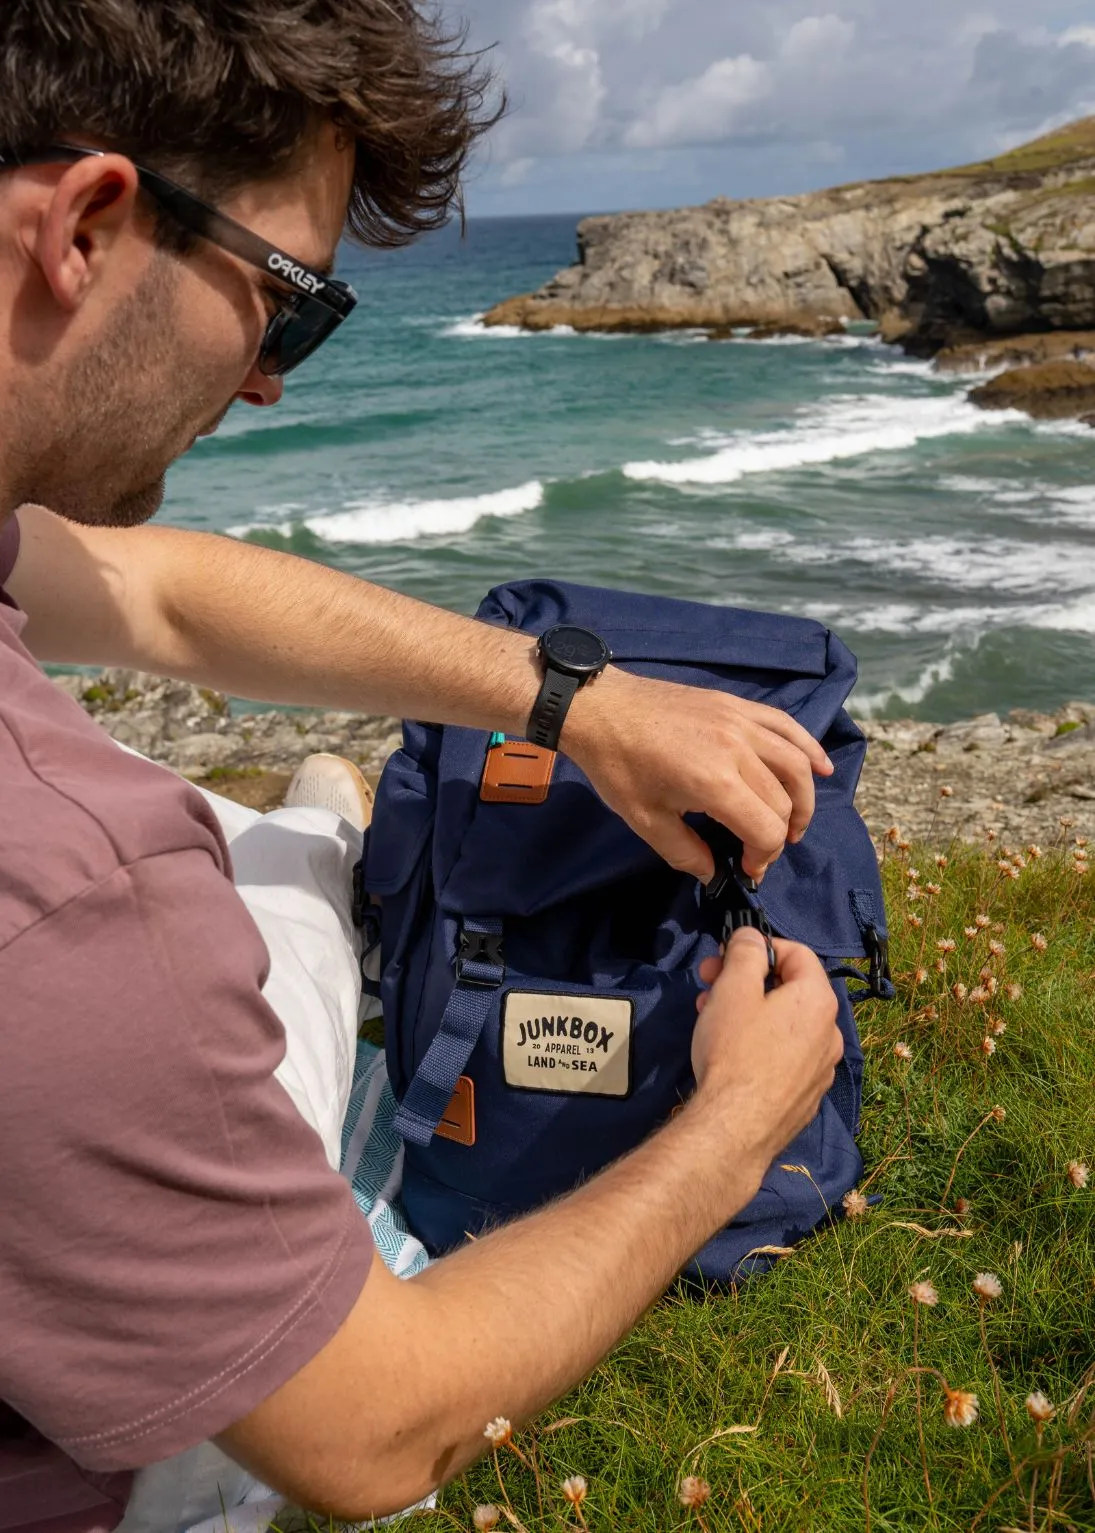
(484, 948)
(878, 951)
(731, 887)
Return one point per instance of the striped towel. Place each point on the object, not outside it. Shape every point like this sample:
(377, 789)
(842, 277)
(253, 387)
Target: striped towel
(372, 1162)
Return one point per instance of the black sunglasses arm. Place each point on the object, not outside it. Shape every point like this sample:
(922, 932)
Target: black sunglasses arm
(208, 223)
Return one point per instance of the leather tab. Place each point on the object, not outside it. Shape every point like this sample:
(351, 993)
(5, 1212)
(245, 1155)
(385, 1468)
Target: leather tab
(458, 1121)
(517, 773)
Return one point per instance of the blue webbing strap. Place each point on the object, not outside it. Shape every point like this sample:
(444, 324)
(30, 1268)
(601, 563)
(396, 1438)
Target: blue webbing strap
(480, 971)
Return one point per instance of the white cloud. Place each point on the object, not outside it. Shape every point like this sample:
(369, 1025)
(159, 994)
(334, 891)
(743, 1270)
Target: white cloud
(777, 87)
(704, 110)
(816, 37)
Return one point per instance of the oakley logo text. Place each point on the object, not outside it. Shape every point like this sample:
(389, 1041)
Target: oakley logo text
(296, 274)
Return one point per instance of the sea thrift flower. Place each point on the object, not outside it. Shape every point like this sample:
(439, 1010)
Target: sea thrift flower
(997, 949)
(914, 921)
(902, 1052)
(904, 846)
(998, 1114)
(1035, 852)
(1014, 991)
(959, 991)
(941, 861)
(920, 977)
(498, 1432)
(855, 1204)
(1065, 822)
(1008, 869)
(931, 1013)
(946, 792)
(987, 1286)
(694, 1492)
(575, 1488)
(1080, 841)
(992, 984)
(485, 1518)
(924, 1293)
(971, 932)
(988, 1046)
(1078, 1173)
(1038, 942)
(979, 995)
(1039, 1408)
(940, 966)
(946, 944)
(960, 1408)
(1019, 862)
(893, 835)
(912, 874)
(999, 1028)
(981, 922)
(914, 892)
(990, 835)
(932, 889)
(961, 1207)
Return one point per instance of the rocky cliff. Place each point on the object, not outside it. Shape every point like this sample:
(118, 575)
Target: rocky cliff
(998, 248)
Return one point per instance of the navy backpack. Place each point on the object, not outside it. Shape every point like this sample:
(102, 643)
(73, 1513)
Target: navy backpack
(538, 959)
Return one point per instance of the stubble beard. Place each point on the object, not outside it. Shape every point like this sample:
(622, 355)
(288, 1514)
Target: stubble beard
(127, 410)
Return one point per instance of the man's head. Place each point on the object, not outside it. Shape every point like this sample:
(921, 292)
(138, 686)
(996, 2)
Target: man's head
(124, 333)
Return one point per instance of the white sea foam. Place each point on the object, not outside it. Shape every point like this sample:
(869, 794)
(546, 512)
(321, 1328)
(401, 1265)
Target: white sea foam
(845, 427)
(471, 327)
(402, 521)
(910, 693)
(1004, 566)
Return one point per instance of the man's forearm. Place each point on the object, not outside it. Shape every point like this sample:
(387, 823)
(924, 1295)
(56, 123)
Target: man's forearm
(256, 623)
(503, 1327)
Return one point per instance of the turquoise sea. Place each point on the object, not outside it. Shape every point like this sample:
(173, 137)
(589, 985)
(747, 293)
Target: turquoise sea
(954, 551)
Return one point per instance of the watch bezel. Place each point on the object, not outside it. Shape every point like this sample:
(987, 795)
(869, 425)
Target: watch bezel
(583, 671)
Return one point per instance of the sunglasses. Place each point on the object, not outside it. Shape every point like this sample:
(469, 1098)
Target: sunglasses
(308, 314)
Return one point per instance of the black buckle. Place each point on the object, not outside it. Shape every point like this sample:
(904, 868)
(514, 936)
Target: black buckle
(484, 948)
(878, 951)
(731, 887)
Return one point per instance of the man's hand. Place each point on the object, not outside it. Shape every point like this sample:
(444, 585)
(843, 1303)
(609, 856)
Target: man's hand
(655, 751)
(768, 1054)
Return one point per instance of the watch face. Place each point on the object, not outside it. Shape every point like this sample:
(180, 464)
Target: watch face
(575, 651)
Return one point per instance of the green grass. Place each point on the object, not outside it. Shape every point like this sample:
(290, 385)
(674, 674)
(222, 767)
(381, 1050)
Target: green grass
(733, 1387)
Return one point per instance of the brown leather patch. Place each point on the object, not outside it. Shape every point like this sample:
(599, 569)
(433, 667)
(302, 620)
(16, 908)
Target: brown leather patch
(517, 773)
(458, 1122)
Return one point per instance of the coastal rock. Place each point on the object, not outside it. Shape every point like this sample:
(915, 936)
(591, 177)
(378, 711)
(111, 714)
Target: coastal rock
(993, 249)
(986, 356)
(1018, 776)
(1046, 391)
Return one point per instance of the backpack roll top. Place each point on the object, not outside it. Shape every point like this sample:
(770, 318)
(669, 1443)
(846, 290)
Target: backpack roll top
(539, 959)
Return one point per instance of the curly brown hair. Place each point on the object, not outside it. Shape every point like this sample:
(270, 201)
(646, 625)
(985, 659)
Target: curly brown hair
(226, 92)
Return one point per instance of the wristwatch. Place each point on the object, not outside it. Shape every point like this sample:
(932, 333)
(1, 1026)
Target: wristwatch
(570, 657)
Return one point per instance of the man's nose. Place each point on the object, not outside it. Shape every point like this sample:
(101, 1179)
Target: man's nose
(260, 389)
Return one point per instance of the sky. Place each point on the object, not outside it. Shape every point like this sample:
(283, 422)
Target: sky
(655, 103)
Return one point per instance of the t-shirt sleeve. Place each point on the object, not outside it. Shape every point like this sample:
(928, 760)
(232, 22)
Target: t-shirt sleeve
(175, 1246)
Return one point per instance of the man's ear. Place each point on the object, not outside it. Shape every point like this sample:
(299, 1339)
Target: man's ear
(91, 207)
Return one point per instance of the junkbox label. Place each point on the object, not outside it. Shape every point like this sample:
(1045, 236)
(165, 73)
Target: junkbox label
(574, 1043)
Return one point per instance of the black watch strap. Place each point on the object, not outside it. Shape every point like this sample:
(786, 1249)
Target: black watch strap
(549, 712)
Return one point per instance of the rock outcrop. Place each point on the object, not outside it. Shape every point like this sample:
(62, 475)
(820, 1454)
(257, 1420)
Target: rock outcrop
(994, 249)
(1046, 391)
(1019, 776)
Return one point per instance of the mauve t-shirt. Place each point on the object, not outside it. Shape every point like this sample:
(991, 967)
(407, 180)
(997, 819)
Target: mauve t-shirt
(173, 1243)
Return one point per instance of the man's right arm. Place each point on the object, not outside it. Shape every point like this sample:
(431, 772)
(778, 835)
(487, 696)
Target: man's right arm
(397, 1401)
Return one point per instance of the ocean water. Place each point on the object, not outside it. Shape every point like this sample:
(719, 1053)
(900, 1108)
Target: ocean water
(954, 551)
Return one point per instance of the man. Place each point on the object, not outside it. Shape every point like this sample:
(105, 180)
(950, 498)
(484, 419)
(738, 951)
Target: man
(178, 1261)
